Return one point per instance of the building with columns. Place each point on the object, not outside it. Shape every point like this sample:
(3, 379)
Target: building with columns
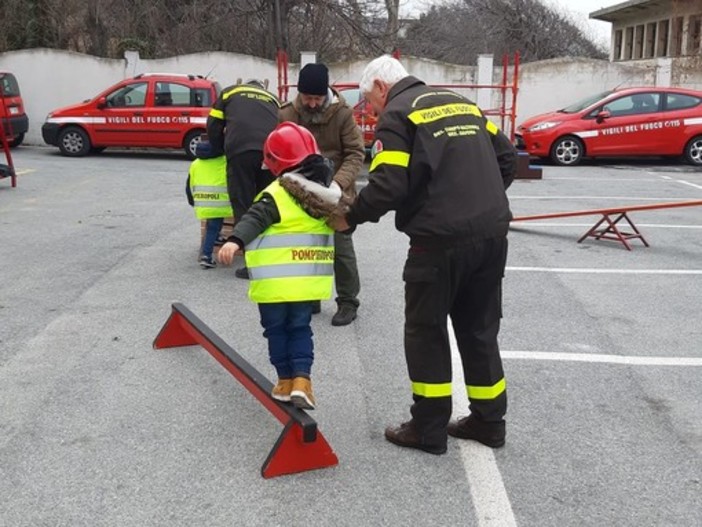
(652, 29)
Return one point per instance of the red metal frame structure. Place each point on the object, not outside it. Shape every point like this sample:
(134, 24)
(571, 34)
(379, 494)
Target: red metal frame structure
(611, 231)
(301, 445)
(7, 169)
(507, 110)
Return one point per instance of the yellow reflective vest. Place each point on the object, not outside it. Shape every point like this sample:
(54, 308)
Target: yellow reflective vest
(293, 260)
(208, 185)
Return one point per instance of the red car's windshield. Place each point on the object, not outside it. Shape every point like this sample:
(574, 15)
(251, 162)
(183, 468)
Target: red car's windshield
(584, 103)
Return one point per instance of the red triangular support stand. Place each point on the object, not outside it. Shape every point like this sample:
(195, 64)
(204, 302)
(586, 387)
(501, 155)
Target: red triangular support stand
(301, 445)
(291, 454)
(612, 232)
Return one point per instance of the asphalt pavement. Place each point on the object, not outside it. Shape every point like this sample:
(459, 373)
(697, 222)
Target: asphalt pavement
(602, 351)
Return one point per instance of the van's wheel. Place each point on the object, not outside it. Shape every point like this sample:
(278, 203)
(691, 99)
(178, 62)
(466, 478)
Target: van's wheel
(693, 151)
(190, 143)
(73, 142)
(567, 151)
(17, 140)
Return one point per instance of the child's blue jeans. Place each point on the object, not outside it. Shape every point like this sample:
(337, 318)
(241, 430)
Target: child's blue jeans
(212, 228)
(286, 326)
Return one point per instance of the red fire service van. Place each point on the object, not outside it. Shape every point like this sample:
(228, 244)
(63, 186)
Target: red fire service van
(12, 116)
(150, 110)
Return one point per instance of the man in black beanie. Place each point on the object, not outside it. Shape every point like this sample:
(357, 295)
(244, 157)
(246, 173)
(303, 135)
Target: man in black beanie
(325, 113)
(313, 80)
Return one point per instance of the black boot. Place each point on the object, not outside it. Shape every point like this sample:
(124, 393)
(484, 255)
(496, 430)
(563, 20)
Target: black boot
(470, 427)
(407, 436)
(344, 315)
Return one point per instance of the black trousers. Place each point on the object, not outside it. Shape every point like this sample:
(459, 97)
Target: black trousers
(463, 281)
(245, 179)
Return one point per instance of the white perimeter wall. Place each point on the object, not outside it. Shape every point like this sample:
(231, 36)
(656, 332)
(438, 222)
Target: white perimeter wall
(50, 79)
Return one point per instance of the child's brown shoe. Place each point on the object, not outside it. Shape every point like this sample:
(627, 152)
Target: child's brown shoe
(281, 391)
(301, 394)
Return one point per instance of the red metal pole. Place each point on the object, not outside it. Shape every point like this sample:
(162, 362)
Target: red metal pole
(613, 210)
(515, 89)
(281, 58)
(503, 91)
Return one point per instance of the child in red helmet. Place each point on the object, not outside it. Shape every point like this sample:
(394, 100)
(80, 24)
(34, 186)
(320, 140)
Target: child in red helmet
(289, 254)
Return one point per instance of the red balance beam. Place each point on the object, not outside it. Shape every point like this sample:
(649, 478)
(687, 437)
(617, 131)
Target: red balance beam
(612, 210)
(301, 445)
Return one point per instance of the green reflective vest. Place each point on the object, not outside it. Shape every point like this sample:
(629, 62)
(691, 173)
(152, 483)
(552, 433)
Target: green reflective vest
(208, 184)
(293, 260)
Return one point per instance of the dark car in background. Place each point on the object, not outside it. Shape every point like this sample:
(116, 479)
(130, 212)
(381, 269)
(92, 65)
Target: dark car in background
(652, 121)
(152, 110)
(12, 116)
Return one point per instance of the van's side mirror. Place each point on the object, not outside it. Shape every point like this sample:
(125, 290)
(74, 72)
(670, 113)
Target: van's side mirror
(604, 114)
(102, 102)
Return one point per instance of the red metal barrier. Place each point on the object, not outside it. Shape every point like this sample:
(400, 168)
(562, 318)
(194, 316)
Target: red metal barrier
(506, 110)
(611, 231)
(301, 445)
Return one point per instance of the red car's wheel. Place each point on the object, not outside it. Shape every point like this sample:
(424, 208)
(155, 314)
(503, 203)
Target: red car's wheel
(567, 151)
(693, 151)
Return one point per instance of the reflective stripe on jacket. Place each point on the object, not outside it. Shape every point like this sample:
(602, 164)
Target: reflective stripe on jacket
(293, 260)
(208, 185)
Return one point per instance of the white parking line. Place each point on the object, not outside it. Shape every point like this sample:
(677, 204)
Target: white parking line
(603, 358)
(689, 184)
(489, 496)
(595, 270)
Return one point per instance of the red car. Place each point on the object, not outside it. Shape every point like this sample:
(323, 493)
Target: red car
(621, 122)
(149, 110)
(12, 115)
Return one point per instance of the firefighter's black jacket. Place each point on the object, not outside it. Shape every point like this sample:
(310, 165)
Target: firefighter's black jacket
(440, 164)
(241, 118)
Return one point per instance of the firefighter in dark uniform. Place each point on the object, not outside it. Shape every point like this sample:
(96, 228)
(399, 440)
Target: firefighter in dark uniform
(444, 168)
(239, 122)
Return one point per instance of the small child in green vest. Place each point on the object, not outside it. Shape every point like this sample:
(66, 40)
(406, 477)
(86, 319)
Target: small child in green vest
(206, 189)
(289, 254)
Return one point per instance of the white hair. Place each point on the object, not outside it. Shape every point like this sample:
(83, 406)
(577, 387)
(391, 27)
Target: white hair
(385, 68)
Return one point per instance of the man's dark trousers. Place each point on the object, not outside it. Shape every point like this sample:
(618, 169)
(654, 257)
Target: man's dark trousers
(462, 280)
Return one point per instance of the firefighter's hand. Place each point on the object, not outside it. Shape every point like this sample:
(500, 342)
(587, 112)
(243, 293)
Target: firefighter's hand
(337, 221)
(227, 252)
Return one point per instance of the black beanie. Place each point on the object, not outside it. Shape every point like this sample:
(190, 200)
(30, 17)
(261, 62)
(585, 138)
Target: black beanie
(313, 80)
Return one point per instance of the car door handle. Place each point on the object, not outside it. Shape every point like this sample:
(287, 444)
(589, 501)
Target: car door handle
(184, 113)
(139, 113)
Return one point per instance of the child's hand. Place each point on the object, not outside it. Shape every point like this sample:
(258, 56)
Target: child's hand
(227, 252)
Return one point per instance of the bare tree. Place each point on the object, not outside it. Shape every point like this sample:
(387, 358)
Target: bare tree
(459, 31)
(335, 29)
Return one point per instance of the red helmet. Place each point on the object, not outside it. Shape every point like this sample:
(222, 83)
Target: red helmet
(287, 146)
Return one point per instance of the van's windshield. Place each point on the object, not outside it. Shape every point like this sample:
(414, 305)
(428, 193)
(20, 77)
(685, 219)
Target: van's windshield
(10, 88)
